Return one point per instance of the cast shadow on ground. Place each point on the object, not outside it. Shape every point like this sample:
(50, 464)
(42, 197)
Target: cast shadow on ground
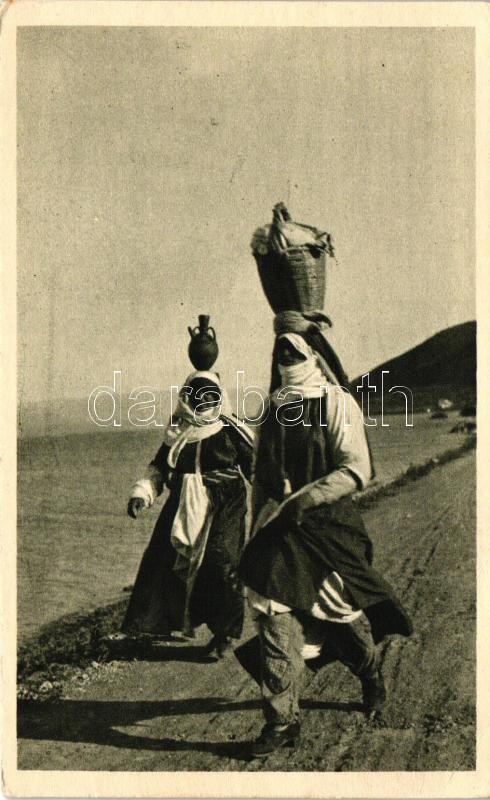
(95, 722)
(161, 652)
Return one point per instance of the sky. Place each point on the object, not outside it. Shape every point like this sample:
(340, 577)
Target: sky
(148, 156)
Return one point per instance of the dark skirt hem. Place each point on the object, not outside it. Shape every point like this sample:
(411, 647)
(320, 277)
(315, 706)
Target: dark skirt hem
(288, 563)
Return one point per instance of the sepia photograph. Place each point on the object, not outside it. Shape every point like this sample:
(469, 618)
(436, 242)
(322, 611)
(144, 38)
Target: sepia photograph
(242, 304)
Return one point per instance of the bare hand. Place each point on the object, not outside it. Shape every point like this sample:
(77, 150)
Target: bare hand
(135, 505)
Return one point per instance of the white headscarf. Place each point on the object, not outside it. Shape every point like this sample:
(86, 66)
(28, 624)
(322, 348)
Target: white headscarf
(308, 378)
(189, 425)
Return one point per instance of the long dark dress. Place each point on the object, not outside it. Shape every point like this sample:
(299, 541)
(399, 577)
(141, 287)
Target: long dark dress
(288, 563)
(158, 601)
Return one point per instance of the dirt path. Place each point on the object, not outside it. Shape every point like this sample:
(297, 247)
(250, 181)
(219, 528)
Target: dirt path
(181, 714)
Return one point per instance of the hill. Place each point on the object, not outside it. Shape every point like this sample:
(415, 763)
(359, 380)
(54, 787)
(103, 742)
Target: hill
(442, 366)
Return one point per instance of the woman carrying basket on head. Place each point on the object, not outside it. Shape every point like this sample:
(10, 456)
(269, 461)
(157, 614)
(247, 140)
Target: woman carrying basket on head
(308, 568)
(188, 574)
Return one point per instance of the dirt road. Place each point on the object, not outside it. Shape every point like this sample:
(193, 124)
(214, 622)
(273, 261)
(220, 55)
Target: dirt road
(174, 711)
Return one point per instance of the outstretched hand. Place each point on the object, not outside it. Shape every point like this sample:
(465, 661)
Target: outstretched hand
(135, 505)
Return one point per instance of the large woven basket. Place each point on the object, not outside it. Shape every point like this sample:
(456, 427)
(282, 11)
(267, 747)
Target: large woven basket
(293, 280)
(293, 277)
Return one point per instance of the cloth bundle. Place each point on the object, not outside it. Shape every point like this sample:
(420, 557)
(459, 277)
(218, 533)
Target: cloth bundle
(284, 233)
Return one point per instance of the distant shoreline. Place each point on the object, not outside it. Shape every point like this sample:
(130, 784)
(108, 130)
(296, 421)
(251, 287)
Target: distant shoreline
(70, 417)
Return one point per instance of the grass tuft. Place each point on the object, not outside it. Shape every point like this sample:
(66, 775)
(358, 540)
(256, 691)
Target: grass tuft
(77, 640)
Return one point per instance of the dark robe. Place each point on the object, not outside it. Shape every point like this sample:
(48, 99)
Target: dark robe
(158, 600)
(287, 561)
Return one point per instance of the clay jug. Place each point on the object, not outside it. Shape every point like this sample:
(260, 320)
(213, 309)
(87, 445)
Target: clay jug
(203, 347)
